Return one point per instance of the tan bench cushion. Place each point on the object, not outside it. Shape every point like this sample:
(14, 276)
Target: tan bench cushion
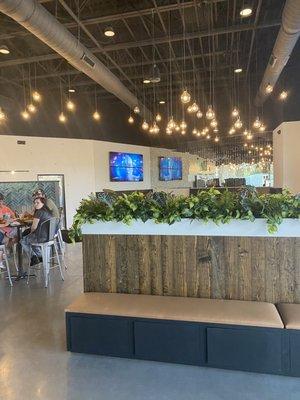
(234, 312)
(290, 314)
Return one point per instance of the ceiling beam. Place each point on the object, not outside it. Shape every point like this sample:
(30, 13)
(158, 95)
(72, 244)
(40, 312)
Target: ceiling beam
(148, 42)
(111, 18)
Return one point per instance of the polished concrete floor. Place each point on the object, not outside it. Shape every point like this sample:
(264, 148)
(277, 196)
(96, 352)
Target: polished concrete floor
(35, 365)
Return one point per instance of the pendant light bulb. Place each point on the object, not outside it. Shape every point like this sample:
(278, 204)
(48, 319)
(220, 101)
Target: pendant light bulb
(238, 124)
(183, 125)
(210, 113)
(198, 133)
(214, 123)
(185, 97)
(62, 118)
(235, 112)
(70, 105)
(130, 119)
(194, 131)
(203, 133)
(171, 123)
(199, 114)
(155, 128)
(2, 115)
(177, 128)
(217, 139)
(145, 125)
(31, 108)
(256, 123)
(231, 131)
(158, 117)
(208, 136)
(25, 115)
(168, 131)
(96, 116)
(189, 109)
(194, 107)
(283, 95)
(183, 132)
(36, 96)
(262, 128)
(136, 110)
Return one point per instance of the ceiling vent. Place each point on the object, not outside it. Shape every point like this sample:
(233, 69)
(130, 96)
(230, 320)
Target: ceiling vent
(88, 61)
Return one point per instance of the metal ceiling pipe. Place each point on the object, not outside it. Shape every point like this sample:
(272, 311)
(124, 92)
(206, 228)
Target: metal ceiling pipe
(36, 19)
(286, 40)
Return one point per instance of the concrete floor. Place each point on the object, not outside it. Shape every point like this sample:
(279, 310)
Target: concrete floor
(35, 365)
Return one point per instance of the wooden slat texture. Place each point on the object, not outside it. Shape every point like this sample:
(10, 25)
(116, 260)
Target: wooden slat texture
(243, 268)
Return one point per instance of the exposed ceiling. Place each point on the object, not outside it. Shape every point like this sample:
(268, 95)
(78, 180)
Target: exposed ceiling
(201, 42)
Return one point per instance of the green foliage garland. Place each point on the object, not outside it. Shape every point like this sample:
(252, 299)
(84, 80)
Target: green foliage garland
(207, 205)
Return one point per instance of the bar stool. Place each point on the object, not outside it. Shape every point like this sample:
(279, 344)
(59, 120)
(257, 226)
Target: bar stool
(6, 263)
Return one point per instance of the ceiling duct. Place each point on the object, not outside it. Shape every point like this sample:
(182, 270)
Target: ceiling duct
(36, 19)
(286, 40)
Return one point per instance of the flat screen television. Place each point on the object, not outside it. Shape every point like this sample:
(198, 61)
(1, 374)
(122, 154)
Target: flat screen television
(126, 167)
(170, 169)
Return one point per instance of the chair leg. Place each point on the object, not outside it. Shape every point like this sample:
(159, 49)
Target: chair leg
(15, 257)
(58, 260)
(62, 247)
(28, 269)
(7, 268)
(46, 260)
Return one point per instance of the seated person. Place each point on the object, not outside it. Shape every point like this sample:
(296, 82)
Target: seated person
(38, 232)
(49, 203)
(7, 234)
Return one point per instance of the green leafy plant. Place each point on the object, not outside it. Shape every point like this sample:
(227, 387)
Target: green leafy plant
(206, 205)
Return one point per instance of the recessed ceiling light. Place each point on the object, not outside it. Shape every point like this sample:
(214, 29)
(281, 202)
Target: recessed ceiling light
(162, 102)
(4, 49)
(146, 81)
(109, 32)
(71, 90)
(238, 70)
(246, 11)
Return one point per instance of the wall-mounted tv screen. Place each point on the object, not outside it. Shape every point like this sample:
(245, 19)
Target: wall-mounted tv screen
(126, 167)
(170, 168)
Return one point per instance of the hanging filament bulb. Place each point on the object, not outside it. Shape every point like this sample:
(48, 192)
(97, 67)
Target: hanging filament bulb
(155, 128)
(31, 108)
(185, 97)
(36, 96)
(171, 123)
(177, 128)
(183, 125)
(183, 132)
(262, 128)
(249, 136)
(199, 114)
(168, 131)
(210, 113)
(238, 124)
(130, 119)
(136, 110)
(145, 125)
(62, 118)
(208, 136)
(2, 115)
(194, 131)
(25, 115)
(214, 123)
(198, 133)
(283, 95)
(194, 107)
(70, 105)
(216, 139)
(245, 133)
(206, 129)
(256, 123)
(235, 112)
(189, 109)
(158, 117)
(231, 131)
(96, 116)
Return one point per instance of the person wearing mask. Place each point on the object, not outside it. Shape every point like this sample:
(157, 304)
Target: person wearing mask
(38, 232)
(49, 202)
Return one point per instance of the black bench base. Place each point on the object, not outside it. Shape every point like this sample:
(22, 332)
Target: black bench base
(246, 348)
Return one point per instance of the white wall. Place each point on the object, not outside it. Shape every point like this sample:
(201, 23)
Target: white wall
(101, 166)
(72, 157)
(286, 150)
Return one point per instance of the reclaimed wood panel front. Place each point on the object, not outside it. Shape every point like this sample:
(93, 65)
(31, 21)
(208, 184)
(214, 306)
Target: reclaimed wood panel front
(244, 268)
